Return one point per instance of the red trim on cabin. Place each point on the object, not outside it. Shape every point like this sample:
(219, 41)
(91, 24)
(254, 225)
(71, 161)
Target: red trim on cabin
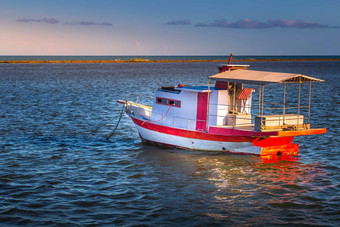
(223, 85)
(168, 102)
(202, 111)
(189, 133)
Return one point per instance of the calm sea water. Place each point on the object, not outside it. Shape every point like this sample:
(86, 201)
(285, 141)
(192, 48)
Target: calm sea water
(57, 168)
(155, 57)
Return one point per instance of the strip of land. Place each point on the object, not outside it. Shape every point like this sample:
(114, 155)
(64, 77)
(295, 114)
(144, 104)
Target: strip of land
(141, 60)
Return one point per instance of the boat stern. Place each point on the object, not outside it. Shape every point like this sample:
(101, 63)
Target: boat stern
(273, 147)
(286, 150)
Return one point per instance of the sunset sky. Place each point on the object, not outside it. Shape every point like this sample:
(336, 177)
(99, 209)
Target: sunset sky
(169, 27)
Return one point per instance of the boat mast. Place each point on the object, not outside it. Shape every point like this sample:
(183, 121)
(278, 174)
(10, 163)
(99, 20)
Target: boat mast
(259, 99)
(284, 102)
(310, 91)
(208, 105)
(297, 123)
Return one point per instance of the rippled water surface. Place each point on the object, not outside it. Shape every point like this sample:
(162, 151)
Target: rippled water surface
(57, 168)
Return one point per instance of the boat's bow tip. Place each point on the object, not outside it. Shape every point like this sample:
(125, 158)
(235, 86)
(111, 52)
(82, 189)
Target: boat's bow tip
(121, 101)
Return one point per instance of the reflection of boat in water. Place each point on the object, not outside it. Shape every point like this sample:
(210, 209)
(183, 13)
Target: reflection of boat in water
(219, 116)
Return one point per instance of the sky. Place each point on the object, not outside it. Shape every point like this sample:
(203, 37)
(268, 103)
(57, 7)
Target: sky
(169, 27)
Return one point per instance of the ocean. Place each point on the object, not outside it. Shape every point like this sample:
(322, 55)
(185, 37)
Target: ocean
(58, 169)
(170, 57)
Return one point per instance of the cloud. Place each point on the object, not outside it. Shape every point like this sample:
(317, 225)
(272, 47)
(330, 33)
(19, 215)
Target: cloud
(244, 23)
(179, 22)
(106, 24)
(43, 20)
(254, 24)
(88, 23)
(298, 24)
(55, 21)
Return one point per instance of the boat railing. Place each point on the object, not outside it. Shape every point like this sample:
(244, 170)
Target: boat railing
(275, 116)
(174, 121)
(266, 120)
(161, 118)
(137, 98)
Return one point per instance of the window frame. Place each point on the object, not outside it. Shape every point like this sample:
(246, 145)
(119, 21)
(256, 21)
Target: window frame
(168, 102)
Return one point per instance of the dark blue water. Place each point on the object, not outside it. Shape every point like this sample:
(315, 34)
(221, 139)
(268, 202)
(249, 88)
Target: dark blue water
(155, 57)
(57, 168)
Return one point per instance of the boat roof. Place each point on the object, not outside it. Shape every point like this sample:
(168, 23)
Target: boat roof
(195, 88)
(262, 77)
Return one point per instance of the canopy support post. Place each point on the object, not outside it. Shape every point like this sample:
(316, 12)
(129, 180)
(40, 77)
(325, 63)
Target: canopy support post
(310, 92)
(259, 100)
(298, 117)
(284, 102)
(208, 105)
(234, 115)
(262, 100)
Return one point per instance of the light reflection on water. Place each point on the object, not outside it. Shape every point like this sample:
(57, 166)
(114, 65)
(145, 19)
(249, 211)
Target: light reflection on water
(252, 187)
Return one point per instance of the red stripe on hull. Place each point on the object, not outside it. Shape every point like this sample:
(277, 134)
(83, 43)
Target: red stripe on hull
(235, 132)
(270, 146)
(189, 133)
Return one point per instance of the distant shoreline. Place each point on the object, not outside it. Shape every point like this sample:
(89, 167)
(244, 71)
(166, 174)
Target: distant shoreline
(141, 60)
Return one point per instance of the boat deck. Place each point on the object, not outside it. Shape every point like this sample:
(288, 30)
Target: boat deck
(250, 131)
(149, 108)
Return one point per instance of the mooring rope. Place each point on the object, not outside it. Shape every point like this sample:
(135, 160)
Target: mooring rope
(120, 117)
(159, 119)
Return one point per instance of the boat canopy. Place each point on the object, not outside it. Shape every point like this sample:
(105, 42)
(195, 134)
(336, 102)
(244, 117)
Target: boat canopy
(262, 77)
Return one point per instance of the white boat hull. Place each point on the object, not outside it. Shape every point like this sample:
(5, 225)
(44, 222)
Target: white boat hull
(197, 144)
(231, 140)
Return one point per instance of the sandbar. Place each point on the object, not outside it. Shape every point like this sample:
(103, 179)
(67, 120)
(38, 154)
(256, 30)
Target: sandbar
(163, 61)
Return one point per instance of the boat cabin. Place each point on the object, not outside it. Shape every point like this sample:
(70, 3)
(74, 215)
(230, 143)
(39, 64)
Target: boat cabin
(188, 107)
(226, 103)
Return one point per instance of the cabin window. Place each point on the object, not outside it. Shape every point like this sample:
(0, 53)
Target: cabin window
(168, 102)
(162, 101)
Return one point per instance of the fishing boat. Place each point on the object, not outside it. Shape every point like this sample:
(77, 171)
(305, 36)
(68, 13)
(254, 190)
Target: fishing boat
(219, 116)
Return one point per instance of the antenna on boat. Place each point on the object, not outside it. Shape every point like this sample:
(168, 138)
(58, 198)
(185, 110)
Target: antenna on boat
(230, 58)
(229, 66)
(226, 67)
